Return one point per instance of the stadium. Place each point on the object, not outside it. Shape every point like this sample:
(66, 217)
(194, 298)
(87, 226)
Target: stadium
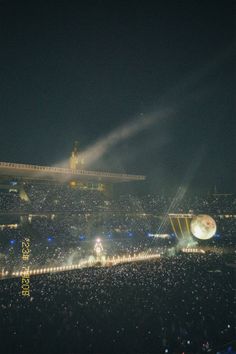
(67, 245)
(124, 241)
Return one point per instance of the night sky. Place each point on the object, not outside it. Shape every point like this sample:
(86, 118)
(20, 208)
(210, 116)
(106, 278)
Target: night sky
(71, 71)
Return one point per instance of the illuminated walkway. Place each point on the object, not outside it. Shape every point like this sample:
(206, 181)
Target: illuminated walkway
(109, 261)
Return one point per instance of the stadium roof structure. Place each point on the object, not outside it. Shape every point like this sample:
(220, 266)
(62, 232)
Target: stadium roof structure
(59, 174)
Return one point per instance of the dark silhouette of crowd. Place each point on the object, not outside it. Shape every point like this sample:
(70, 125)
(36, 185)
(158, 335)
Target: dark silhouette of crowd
(183, 303)
(62, 198)
(180, 303)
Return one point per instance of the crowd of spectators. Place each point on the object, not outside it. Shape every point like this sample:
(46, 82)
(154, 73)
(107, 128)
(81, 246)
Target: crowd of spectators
(180, 304)
(66, 219)
(63, 198)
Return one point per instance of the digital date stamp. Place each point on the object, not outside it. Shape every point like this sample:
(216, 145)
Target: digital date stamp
(25, 275)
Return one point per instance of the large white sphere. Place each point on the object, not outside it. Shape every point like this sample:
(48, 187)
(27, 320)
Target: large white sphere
(203, 227)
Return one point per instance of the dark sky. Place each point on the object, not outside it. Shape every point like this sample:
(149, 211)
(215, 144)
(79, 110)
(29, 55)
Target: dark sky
(72, 71)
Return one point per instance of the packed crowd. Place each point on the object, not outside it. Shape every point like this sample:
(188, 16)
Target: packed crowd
(55, 235)
(180, 303)
(174, 305)
(55, 251)
(63, 198)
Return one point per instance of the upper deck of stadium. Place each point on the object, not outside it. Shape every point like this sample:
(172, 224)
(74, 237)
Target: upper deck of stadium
(36, 172)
